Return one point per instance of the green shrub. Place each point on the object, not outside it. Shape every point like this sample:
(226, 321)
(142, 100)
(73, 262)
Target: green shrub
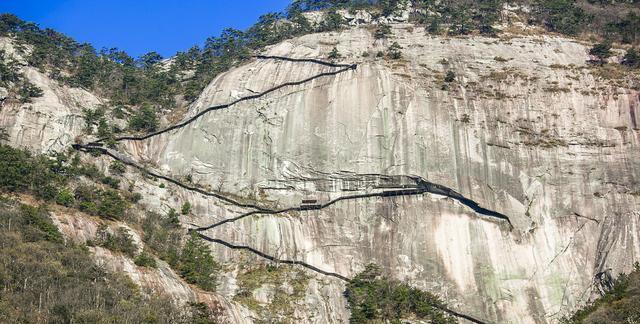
(39, 175)
(104, 130)
(487, 14)
(186, 208)
(88, 170)
(173, 217)
(389, 7)
(383, 31)
(562, 16)
(111, 182)
(85, 193)
(4, 134)
(625, 29)
(334, 54)
(373, 298)
(107, 204)
(47, 191)
(118, 241)
(111, 205)
(116, 167)
(38, 225)
(135, 197)
(9, 72)
(88, 207)
(144, 259)
(28, 90)
(65, 198)
(332, 21)
(601, 51)
(394, 51)
(460, 19)
(15, 168)
(144, 119)
(449, 77)
(92, 117)
(631, 58)
(163, 237)
(118, 112)
(432, 24)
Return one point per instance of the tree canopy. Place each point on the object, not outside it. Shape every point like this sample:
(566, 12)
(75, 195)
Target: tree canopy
(374, 298)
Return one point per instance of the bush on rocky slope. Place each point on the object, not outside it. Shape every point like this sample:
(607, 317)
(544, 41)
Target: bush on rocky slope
(20, 171)
(47, 177)
(374, 298)
(12, 78)
(631, 58)
(144, 119)
(162, 235)
(602, 51)
(118, 240)
(44, 280)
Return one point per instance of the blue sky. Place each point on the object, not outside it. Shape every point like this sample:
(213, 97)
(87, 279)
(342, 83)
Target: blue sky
(140, 26)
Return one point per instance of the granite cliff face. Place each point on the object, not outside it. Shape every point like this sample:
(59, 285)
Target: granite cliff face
(527, 130)
(49, 123)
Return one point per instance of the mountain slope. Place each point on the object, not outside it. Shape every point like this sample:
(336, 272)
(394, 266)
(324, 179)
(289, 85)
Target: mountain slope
(430, 140)
(517, 131)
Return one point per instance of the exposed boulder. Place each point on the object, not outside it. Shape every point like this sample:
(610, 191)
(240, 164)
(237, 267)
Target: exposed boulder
(3, 93)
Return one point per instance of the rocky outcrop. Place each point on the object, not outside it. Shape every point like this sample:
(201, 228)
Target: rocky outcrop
(80, 228)
(51, 122)
(3, 94)
(526, 130)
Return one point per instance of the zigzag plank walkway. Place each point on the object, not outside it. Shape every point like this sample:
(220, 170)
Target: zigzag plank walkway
(422, 186)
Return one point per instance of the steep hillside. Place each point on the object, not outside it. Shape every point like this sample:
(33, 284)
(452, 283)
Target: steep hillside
(526, 129)
(498, 173)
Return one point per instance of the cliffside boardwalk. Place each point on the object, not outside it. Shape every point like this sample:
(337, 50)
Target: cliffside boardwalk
(421, 186)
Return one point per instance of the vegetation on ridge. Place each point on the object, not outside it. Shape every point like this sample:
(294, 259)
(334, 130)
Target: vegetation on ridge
(45, 280)
(56, 178)
(139, 87)
(15, 82)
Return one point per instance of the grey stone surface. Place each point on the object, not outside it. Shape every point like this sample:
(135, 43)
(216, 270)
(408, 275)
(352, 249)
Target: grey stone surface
(526, 129)
(3, 93)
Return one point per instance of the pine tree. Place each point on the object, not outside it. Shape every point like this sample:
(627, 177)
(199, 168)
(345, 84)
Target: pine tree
(144, 119)
(197, 265)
